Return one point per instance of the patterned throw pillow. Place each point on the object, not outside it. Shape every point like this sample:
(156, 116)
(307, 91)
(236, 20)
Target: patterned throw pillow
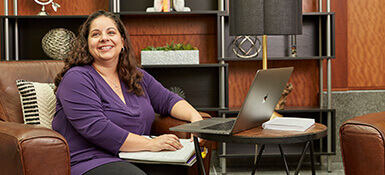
(38, 101)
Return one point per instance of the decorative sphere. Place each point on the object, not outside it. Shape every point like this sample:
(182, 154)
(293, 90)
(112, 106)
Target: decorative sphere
(57, 43)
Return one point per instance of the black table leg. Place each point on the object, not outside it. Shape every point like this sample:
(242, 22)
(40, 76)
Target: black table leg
(302, 157)
(200, 165)
(312, 157)
(258, 159)
(284, 159)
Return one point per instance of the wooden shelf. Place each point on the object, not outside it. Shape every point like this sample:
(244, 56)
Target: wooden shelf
(44, 17)
(184, 65)
(278, 47)
(277, 58)
(224, 13)
(196, 12)
(194, 5)
(288, 109)
(31, 30)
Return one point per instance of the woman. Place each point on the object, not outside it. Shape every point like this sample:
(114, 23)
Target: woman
(105, 103)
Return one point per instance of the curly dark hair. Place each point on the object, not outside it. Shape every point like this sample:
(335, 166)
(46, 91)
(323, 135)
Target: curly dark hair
(127, 65)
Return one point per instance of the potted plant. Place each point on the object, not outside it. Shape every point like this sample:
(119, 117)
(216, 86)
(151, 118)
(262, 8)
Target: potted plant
(170, 54)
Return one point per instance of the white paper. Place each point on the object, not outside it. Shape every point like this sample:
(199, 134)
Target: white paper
(289, 123)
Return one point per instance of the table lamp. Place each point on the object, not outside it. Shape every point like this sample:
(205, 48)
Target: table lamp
(265, 17)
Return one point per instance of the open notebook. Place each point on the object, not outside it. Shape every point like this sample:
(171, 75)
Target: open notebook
(184, 156)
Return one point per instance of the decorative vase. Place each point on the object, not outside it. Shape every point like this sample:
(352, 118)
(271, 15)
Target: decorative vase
(57, 43)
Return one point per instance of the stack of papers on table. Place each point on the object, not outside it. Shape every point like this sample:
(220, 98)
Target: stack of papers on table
(288, 123)
(184, 156)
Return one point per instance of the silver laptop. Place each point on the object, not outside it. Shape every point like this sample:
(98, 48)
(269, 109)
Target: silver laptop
(263, 96)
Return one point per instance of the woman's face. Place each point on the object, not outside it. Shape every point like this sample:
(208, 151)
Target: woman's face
(104, 40)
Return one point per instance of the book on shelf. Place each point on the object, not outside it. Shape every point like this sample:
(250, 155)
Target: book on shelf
(289, 124)
(184, 156)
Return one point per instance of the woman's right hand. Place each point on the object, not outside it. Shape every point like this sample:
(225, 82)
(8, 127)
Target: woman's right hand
(166, 142)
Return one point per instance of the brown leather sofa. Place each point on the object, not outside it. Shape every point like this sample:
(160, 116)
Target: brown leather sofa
(362, 144)
(33, 150)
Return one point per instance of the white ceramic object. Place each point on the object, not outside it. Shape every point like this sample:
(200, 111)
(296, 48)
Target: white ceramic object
(178, 5)
(158, 5)
(170, 57)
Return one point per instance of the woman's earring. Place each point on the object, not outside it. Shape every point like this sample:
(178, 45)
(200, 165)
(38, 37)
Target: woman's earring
(122, 50)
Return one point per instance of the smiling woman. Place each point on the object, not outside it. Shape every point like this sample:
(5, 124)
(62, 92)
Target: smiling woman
(105, 45)
(105, 42)
(105, 102)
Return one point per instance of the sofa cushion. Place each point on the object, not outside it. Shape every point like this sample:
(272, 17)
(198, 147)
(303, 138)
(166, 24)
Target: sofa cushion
(38, 102)
(43, 71)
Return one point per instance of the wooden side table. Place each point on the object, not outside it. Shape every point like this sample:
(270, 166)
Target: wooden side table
(261, 136)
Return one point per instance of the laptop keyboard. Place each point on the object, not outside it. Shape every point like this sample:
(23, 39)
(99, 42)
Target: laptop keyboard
(221, 126)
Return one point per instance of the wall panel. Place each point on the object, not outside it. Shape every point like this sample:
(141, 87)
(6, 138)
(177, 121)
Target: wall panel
(366, 42)
(200, 31)
(68, 7)
(309, 5)
(340, 64)
(305, 79)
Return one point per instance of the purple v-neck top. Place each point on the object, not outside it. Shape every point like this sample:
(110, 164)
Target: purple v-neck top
(96, 122)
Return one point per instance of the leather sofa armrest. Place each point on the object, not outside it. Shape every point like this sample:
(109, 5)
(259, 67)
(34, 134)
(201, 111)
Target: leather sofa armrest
(27, 149)
(362, 142)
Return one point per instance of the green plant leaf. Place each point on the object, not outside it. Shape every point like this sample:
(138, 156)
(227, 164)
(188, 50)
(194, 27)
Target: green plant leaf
(172, 46)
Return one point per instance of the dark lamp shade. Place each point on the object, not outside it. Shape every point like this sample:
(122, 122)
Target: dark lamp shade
(265, 17)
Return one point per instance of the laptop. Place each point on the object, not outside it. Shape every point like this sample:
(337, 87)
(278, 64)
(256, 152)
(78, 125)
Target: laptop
(261, 99)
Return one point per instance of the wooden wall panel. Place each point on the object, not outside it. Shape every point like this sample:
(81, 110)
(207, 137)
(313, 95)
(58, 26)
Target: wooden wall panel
(200, 31)
(2, 7)
(366, 23)
(10, 7)
(68, 7)
(168, 24)
(305, 80)
(1, 13)
(309, 5)
(340, 64)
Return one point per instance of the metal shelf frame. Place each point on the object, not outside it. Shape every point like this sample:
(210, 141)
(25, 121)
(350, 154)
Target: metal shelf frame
(330, 119)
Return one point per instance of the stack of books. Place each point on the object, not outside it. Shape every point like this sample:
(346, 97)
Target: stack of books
(289, 124)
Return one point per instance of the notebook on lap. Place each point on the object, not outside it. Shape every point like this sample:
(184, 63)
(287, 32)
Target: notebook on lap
(259, 104)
